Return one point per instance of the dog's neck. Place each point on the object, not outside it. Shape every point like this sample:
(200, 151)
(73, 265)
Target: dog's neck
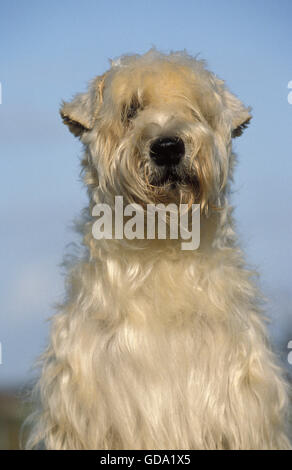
(216, 234)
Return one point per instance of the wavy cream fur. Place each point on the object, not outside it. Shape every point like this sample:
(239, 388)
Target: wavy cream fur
(155, 347)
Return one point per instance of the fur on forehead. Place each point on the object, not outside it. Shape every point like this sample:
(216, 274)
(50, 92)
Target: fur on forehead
(156, 78)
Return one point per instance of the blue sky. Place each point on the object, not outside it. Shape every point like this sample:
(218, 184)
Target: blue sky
(49, 51)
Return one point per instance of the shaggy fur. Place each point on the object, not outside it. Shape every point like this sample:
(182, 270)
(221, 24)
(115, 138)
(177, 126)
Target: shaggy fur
(156, 347)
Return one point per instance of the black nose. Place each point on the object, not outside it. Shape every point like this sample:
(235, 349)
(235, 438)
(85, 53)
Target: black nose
(167, 151)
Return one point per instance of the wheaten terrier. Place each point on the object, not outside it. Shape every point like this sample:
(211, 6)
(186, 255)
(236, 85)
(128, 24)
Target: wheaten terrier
(156, 347)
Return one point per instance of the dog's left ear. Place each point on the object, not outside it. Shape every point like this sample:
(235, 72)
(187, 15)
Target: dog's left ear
(80, 113)
(240, 115)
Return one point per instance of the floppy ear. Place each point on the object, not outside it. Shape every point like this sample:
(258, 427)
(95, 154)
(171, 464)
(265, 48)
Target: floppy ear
(240, 115)
(79, 114)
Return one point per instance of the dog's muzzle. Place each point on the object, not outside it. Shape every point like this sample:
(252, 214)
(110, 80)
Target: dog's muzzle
(167, 151)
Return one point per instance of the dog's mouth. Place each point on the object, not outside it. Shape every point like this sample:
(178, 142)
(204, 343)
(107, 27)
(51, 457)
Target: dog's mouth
(168, 178)
(173, 185)
(173, 178)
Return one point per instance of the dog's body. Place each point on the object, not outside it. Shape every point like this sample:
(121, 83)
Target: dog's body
(156, 347)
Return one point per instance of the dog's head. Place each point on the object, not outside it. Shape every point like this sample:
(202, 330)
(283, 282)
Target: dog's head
(157, 128)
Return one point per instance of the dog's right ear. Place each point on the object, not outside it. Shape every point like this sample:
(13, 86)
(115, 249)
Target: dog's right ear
(77, 114)
(80, 113)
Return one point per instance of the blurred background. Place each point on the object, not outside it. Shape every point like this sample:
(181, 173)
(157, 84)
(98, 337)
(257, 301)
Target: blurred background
(50, 50)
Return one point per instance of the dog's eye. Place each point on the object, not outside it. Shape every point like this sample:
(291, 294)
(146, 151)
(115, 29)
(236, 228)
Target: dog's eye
(132, 111)
(129, 112)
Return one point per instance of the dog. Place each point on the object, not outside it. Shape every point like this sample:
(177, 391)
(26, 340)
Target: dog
(156, 347)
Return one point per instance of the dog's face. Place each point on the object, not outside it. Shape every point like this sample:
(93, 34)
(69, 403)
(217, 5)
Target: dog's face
(157, 128)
